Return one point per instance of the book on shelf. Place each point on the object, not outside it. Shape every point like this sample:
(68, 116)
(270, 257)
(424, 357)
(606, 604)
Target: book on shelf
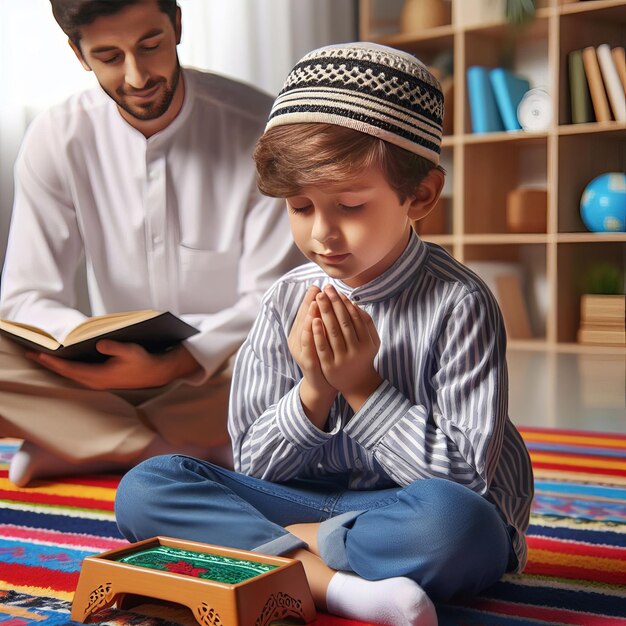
(619, 58)
(580, 98)
(602, 319)
(155, 331)
(598, 335)
(484, 112)
(603, 309)
(513, 306)
(506, 281)
(596, 85)
(508, 90)
(612, 82)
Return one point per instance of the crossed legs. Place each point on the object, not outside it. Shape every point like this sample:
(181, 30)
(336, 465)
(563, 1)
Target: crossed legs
(432, 537)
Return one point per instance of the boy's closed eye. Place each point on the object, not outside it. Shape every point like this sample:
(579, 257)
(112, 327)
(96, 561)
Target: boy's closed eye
(299, 207)
(352, 207)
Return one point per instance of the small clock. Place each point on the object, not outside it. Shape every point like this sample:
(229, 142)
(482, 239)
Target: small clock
(534, 111)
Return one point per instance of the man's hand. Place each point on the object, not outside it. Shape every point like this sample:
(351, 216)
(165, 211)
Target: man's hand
(346, 343)
(316, 395)
(129, 366)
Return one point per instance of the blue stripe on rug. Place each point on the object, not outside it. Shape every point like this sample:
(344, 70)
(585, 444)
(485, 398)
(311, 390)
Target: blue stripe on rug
(591, 491)
(573, 600)
(64, 559)
(63, 523)
(583, 535)
(577, 508)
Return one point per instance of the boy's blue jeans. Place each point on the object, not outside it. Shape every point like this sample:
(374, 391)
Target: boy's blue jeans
(442, 535)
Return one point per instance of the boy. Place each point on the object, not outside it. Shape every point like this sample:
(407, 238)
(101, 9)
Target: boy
(369, 404)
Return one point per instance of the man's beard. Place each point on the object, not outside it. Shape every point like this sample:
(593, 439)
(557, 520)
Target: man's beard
(154, 109)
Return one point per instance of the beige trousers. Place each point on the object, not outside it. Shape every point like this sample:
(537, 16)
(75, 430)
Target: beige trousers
(79, 424)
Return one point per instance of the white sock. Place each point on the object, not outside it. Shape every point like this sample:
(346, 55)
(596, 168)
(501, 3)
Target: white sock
(391, 601)
(31, 462)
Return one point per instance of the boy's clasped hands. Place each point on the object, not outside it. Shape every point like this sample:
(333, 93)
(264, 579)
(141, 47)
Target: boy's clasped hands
(334, 343)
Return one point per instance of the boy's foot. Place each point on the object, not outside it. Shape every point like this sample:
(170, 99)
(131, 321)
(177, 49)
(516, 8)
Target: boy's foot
(391, 601)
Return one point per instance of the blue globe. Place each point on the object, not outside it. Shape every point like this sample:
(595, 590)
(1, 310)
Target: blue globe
(603, 203)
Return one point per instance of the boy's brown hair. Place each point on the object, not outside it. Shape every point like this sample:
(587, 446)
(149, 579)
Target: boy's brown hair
(292, 157)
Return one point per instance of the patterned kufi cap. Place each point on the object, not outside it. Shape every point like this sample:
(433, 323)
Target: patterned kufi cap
(374, 89)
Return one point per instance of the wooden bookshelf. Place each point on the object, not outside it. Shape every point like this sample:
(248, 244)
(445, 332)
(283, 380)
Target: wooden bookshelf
(483, 168)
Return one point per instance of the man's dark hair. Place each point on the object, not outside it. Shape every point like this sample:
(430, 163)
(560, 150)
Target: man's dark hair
(72, 14)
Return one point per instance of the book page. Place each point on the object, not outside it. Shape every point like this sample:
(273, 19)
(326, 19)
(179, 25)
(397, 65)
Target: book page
(32, 333)
(101, 324)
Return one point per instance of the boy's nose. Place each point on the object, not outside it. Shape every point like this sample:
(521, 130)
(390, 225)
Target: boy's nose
(323, 229)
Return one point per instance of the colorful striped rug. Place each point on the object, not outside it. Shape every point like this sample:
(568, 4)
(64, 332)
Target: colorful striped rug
(576, 572)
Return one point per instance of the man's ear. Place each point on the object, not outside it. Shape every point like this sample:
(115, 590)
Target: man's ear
(79, 55)
(179, 25)
(427, 194)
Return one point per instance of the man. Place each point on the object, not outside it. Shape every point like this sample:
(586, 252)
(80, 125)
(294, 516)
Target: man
(151, 179)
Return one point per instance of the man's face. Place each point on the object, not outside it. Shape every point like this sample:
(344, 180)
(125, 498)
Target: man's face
(133, 55)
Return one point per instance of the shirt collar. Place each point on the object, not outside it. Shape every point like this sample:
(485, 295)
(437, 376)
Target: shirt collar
(394, 280)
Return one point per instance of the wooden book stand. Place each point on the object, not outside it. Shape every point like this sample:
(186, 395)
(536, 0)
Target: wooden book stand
(221, 586)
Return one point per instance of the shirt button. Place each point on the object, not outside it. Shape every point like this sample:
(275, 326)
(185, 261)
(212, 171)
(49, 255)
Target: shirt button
(358, 463)
(157, 239)
(153, 174)
(356, 298)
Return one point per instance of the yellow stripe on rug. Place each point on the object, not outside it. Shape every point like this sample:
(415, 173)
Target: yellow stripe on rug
(562, 459)
(106, 494)
(577, 560)
(17, 611)
(583, 440)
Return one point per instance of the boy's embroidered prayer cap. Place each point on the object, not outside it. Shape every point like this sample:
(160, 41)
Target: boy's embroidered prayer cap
(371, 88)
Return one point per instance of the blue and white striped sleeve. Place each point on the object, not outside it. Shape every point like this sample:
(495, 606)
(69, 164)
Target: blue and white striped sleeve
(272, 437)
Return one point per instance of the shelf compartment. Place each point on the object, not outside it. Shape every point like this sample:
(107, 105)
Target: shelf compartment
(574, 262)
(492, 170)
(523, 51)
(582, 157)
(579, 29)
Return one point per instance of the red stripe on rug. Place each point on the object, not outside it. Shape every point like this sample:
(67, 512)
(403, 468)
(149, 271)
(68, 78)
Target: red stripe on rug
(52, 499)
(10, 531)
(601, 471)
(567, 546)
(42, 577)
(546, 614)
(578, 573)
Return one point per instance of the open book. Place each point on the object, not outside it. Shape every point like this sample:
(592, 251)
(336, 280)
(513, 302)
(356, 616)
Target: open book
(153, 330)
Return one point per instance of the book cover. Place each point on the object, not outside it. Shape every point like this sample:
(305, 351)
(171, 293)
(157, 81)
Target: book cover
(596, 85)
(155, 333)
(580, 98)
(619, 58)
(483, 108)
(508, 90)
(612, 82)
